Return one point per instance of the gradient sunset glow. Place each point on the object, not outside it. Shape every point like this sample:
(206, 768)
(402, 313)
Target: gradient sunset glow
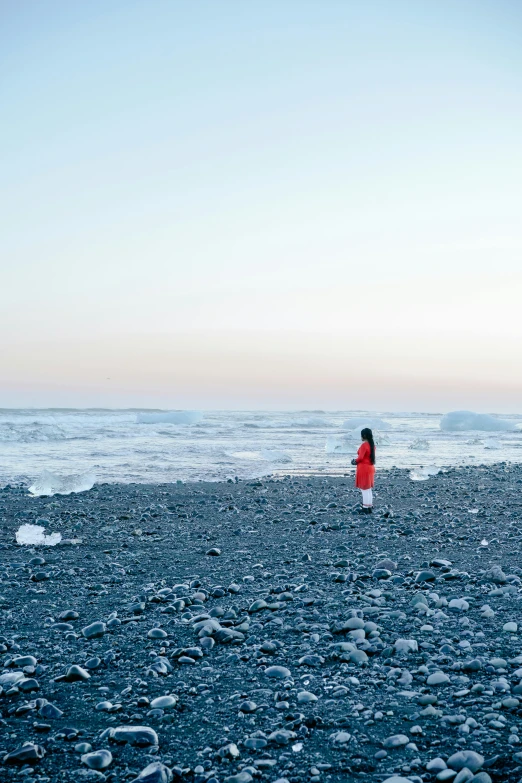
(276, 204)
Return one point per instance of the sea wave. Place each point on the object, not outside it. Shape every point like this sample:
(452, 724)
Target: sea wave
(32, 433)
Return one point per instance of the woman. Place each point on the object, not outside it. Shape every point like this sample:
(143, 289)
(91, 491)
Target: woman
(365, 472)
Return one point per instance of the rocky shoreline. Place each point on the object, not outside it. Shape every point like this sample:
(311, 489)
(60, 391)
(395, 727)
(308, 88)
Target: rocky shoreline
(262, 630)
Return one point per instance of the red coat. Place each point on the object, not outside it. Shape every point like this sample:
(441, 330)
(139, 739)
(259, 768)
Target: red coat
(365, 471)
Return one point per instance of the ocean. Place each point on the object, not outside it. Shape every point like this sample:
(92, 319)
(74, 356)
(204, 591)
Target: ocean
(146, 446)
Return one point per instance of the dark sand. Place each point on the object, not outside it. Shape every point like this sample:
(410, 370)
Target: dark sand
(297, 545)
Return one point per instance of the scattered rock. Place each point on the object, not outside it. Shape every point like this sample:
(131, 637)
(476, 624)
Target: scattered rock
(98, 759)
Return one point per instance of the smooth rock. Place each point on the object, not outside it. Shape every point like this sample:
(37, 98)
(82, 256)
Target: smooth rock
(28, 753)
(98, 759)
(396, 741)
(438, 678)
(239, 777)
(94, 630)
(154, 773)
(277, 672)
(425, 576)
(466, 758)
(134, 735)
(157, 633)
(305, 697)
(164, 702)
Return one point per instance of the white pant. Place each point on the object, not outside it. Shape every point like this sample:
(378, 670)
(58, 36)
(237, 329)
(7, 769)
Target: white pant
(367, 497)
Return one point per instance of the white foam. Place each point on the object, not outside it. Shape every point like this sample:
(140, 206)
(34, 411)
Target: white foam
(251, 455)
(463, 421)
(34, 535)
(170, 417)
(267, 455)
(51, 484)
(31, 433)
(312, 421)
(274, 455)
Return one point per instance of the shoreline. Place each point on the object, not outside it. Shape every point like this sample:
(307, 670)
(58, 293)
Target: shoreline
(283, 475)
(297, 580)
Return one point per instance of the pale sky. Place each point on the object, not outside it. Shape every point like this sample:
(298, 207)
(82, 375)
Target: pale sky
(275, 203)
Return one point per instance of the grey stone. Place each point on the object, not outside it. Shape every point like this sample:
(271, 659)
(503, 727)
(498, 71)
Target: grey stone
(134, 735)
(94, 630)
(154, 773)
(277, 672)
(28, 753)
(98, 759)
(466, 758)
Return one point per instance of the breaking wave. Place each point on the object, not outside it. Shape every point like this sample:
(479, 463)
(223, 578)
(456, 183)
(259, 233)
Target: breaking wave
(32, 433)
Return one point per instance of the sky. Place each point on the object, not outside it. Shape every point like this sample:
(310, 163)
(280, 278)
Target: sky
(272, 204)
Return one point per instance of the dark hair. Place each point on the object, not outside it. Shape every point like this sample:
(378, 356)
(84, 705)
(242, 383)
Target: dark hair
(367, 434)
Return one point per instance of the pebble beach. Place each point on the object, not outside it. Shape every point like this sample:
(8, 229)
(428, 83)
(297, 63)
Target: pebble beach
(262, 630)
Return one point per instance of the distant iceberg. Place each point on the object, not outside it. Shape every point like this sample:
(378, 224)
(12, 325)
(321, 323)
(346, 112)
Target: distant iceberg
(170, 417)
(51, 484)
(463, 421)
(33, 535)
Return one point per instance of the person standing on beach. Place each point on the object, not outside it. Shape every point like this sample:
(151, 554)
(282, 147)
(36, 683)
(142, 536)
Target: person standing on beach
(365, 470)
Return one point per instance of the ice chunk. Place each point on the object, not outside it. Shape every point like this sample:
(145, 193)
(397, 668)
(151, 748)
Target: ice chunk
(34, 535)
(350, 442)
(170, 417)
(423, 474)
(463, 421)
(339, 446)
(51, 484)
(419, 445)
(492, 445)
(359, 422)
